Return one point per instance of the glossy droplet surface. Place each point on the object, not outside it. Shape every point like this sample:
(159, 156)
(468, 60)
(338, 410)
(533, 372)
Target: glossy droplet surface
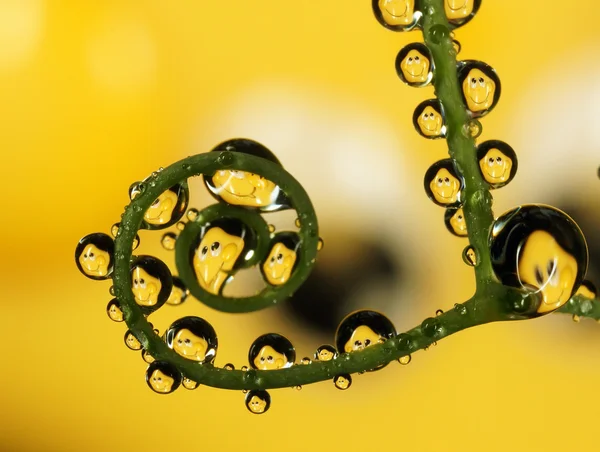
(472, 129)
(397, 15)
(162, 377)
(131, 341)
(258, 402)
(305, 361)
(135, 189)
(271, 351)
(242, 188)
(326, 353)
(220, 248)
(151, 282)
(455, 221)
(439, 312)
(438, 33)
(180, 225)
(429, 119)
(113, 309)
(430, 327)
(404, 360)
(497, 162)
(192, 214)
(414, 65)
(442, 183)
(168, 208)
(271, 228)
(298, 224)
(282, 259)
(168, 241)
(147, 357)
(480, 86)
(343, 381)
(469, 256)
(193, 338)
(540, 249)
(179, 292)
(459, 12)
(229, 366)
(94, 256)
(362, 329)
(189, 384)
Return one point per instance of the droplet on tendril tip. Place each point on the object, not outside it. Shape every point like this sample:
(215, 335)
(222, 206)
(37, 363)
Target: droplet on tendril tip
(271, 351)
(162, 377)
(257, 401)
(193, 338)
(343, 381)
(94, 256)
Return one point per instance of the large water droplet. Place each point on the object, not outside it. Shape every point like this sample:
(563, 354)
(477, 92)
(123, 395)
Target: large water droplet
(430, 327)
(326, 353)
(258, 402)
(271, 351)
(397, 15)
(282, 259)
(455, 221)
(343, 381)
(413, 65)
(179, 292)
(243, 188)
(429, 119)
(151, 282)
(193, 338)
(480, 87)
(94, 256)
(497, 162)
(168, 208)
(162, 377)
(114, 311)
(442, 183)
(459, 12)
(540, 249)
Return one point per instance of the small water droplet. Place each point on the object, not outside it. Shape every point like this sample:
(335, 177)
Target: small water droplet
(306, 360)
(181, 225)
(271, 228)
(457, 46)
(131, 341)
(298, 387)
(576, 318)
(162, 377)
(586, 306)
(137, 208)
(168, 241)
(193, 338)
(462, 309)
(189, 384)
(472, 129)
(244, 368)
(230, 366)
(151, 283)
(469, 256)
(192, 214)
(438, 33)
(114, 311)
(439, 312)
(325, 353)
(299, 225)
(320, 244)
(186, 167)
(343, 381)
(111, 290)
(225, 158)
(430, 327)
(258, 402)
(271, 351)
(404, 360)
(135, 189)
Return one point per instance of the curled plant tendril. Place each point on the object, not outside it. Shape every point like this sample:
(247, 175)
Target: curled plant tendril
(528, 262)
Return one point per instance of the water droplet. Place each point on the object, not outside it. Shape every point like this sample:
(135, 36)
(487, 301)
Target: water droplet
(472, 129)
(299, 225)
(397, 16)
(576, 318)
(162, 377)
(320, 244)
(282, 259)
(233, 186)
(429, 119)
(179, 292)
(459, 12)
(230, 366)
(131, 341)
(404, 360)
(462, 309)
(362, 329)
(480, 87)
(180, 225)
(343, 381)
(249, 376)
(225, 158)
(455, 221)
(111, 290)
(151, 282)
(244, 368)
(413, 65)
(541, 250)
(94, 256)
(168, 208)
(298, 388)
(497, 162)
(114, 311)
(271, 351)
(438, 33)
(114, 231)
(457, 46)
(135, 189)
(306, 360)
(193, 338)
(186, 167)
(192, 214)
(587, 289)
(469, 256)
(439, 312)
(189, 384)
(168, 241)
(442, 183)
(147, 357)
(404, 341)
(430, 327)
(325, 353)
(271, 228)
(258, 402)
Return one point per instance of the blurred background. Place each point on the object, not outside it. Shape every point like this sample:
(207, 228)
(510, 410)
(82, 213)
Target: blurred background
(97, 95)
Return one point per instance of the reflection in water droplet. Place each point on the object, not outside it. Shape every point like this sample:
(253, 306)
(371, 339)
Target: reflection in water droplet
(271, 228)
(298, 388)
(131, 341)
(230, 366)
(189, 384)
(168, 241)
(147, 357)
(179, 292)
(588, 290)
(438, 33)
(244, 368)
(258, 402)
(462, 310)
(343, 381)
(429, 119)
(443, 184)
(114, 310)
(151, 283)
(162, 377)
(480, 87)
(404, 360)
(94, 256)
(469, 256)
(414, 65)
(192, 214)
(455, 221)
(320, 244)
(430, 327)
(111, 290)
(271, 351)
(539, 249)
(114, 231)
(472, 129)
(497, 162)
(225, 158)
(193, 338)
(181, 225)
(439, 312)
(325, 353)
(457, 46)
(298, 224)
(135, 189)
(576, 318)
(306, 360)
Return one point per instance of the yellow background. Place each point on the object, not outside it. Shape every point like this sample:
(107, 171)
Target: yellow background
(96, 95)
